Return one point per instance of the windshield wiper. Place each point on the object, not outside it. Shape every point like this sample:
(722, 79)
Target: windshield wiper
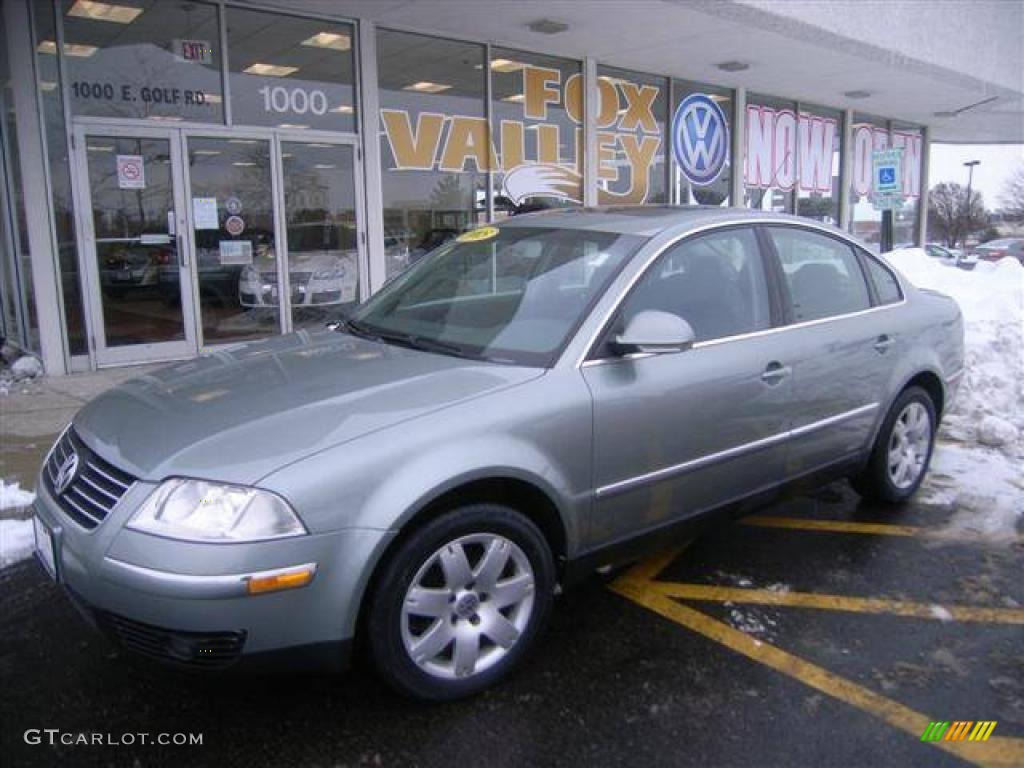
(357, 329)
(409, 340)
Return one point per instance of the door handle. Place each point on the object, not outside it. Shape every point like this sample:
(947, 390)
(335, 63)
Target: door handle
(775, 372)
(181, 253)
(883, 342)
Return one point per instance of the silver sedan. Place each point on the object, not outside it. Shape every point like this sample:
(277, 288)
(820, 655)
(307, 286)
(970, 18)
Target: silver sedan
(526, 403)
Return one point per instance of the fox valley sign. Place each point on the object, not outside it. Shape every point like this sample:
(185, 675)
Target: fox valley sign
(529, 150)
(784, 150)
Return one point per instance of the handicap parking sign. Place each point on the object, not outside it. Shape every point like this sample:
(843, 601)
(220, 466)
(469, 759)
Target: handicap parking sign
(886, 176)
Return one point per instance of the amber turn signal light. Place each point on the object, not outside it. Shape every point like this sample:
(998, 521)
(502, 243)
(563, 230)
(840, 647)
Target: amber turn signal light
(275, 581)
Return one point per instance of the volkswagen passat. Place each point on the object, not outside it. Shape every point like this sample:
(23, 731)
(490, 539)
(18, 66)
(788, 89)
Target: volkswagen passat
(526, 403)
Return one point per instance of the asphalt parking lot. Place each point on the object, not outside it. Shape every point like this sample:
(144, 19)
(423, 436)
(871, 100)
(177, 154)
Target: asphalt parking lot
(820, 632)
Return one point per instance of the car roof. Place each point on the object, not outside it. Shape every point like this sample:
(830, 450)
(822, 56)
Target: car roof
(650, 220)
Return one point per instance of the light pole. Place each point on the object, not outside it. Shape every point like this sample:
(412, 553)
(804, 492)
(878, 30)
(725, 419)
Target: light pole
(970, 177)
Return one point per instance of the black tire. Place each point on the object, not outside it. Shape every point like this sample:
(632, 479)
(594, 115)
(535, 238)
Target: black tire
(874, 481)
(385, 620)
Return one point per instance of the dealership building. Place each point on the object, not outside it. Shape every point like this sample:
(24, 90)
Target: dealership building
(181, 175)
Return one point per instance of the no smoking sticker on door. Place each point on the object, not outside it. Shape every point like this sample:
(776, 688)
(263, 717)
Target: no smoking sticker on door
(235, 225)
(131, 172)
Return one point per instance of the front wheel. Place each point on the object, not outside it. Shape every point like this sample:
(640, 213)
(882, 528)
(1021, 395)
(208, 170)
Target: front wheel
(903, 450)
(460, 602)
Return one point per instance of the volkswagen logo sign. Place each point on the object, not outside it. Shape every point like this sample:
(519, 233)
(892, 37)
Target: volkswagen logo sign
(66, 473)
(700, 138)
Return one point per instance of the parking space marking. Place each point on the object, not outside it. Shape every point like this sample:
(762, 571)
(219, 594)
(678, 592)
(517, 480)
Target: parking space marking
(826, 602)
(872, 529)
(639, 585)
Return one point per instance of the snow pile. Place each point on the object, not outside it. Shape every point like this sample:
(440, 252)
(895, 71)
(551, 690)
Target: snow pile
(16, 537)
(977, 462)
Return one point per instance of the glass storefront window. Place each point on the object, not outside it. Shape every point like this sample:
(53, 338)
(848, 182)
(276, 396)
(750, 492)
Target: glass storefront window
(150, 59)
(18, 298)
(322, 238)
(700, 143)
(819, 144)
(435, 144)
(291, 72)
(235, 255)
(868, 134)
(631, 138)
(60, 182)
(904, 223)
(537, 113)
(771, 167)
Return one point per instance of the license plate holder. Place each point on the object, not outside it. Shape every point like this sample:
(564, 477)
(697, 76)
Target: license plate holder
(46, 543)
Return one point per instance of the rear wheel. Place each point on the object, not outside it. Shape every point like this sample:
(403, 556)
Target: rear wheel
(903, 450)
(460, 602)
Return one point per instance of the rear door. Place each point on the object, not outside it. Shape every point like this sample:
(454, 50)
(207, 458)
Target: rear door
(841, 346)
(678, 433)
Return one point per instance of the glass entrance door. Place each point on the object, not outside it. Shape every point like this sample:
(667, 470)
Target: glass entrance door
(234, 233)
(131, 217)
(192, 238)
(323, 231)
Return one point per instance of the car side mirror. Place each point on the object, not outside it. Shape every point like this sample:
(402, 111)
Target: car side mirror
(654, 332)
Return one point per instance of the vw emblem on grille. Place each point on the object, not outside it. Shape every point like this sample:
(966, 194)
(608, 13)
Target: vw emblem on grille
(66, 473)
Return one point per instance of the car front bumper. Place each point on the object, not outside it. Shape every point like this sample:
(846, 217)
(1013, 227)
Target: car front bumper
(187, 602)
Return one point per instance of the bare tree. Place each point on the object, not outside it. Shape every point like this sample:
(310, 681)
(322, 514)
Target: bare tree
(1013, 195)
(950, 217)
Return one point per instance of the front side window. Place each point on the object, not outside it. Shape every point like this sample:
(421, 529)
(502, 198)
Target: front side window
(822, 274)
(715, 282)
(513, 294)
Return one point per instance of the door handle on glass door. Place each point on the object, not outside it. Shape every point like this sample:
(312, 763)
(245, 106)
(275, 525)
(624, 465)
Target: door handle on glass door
(883, 342)
(775, 372)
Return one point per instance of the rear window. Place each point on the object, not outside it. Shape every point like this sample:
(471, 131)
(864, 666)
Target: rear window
(822, 274)
(887, 287)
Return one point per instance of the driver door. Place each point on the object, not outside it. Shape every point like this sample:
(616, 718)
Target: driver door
(678, 433)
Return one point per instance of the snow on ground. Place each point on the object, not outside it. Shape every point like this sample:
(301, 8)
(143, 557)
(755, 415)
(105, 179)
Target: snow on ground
(978, 460)
(16, 538)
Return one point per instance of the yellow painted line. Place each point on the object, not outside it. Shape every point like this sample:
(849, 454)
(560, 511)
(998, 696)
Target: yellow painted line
(832, 526)
(872, 529)
(649, 569)
(996, 751)
(836, 603)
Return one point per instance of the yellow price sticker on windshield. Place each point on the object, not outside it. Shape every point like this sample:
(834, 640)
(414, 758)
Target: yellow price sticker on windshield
(476, 235)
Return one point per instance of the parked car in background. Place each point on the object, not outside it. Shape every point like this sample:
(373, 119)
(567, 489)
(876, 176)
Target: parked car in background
(321, 269)
(132, 266)
(994, 250)
(535, 400)
(951, 257)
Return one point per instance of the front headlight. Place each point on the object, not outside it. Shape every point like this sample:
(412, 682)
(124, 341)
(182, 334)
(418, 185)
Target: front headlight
(197, 510)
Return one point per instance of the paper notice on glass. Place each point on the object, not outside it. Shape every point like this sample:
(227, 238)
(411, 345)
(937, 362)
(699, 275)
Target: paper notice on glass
(131, 172)
(204, 212)
(235, 252)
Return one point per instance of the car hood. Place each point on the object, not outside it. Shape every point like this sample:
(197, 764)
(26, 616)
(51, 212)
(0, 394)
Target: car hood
(236, 415)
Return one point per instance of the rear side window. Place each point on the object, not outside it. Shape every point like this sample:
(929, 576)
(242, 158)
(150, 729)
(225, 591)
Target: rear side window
(715, 282)
(822, 274)
(886, 285)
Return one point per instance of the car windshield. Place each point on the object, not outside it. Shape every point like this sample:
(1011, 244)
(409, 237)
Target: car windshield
(511, 294)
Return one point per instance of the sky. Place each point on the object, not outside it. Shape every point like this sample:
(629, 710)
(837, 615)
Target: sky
(998, 162)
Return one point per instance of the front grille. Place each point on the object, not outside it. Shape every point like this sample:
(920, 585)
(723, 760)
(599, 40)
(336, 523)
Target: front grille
(195, 649)
(96, 487)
